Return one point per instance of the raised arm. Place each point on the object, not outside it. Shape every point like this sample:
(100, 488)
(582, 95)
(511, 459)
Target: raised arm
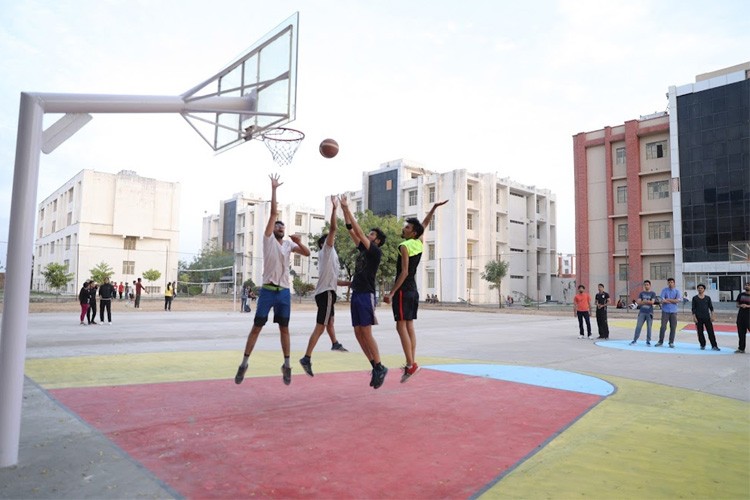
(333, 225)
(355, 232)
(429, 215)
(272, 215)
(301, 248)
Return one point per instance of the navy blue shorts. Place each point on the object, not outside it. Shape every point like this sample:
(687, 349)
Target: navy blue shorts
(363, 309)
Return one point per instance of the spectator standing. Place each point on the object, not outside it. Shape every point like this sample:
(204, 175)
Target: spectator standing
(91, 313)
(121, 289)
(138, 289)
(703, 315)
(743, 317)
(601, 300)
(84, 296)
(106, 294)
(168, 295)
(645, 304)
(582, 310)
(670, 298)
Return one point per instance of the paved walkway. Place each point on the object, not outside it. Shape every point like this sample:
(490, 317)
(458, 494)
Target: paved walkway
(507, 405)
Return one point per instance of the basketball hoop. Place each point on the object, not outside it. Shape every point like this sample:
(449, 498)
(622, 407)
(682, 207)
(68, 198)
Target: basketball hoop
(282, 143)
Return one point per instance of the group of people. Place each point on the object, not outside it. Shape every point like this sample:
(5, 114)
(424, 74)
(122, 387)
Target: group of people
(432, 299)
(108, 292)
(403, 296)
(702, 310)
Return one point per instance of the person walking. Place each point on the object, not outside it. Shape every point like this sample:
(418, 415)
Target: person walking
(582, 310)
(362, 304)
(275, 290)
(168, 295)
(84, 297)
(404, 296)
(91, 313)
(601, 300)
(325, 292)
(703, 315)
(106, 294)
(743, 317)
(670, 298)
(645, 306)
(138, 289)
(121, 289)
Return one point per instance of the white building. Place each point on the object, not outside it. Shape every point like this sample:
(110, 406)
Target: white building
(239, 228)
(488, 217)
(129, 222)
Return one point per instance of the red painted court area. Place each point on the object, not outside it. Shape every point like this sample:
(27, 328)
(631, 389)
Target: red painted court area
(441, 435)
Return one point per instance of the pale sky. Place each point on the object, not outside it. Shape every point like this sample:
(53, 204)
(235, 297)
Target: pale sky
(489, 86)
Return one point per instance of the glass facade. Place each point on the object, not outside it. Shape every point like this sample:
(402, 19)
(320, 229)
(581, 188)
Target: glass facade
(382, 192)
(714, 145)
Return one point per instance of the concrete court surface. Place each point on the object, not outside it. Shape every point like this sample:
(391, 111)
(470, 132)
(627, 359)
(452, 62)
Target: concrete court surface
(675, 425)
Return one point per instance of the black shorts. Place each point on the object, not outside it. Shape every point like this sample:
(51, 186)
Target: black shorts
(405, 305)
(325, 301)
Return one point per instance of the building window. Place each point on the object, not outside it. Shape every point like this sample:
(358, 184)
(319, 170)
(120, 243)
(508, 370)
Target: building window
(129, 243)
(412, 197)
(660, 230)
(241, 221)
(430, 279)
(240, 243)
(430, 251)
(469, 283)
(54, 206)
(517, 222)
(359, 207)
(469, 221)
(469, 192)
(128, 267)
(70, 195)
(67, 242)
(388, 184)
(52, 248)
(516, 250)
(66, 264)
(661, 270)
(658, 190)
(54, 226)
(69, 219)
(498, 251)
(498, 222)
(622, 232)
(431, 226)
(297, 260)
(516, 277)
(656, 150)
(497, 195)
(298, 219)
(469, 249)
(431, 195)
(620, 156)
(622, 194)
(623, 272)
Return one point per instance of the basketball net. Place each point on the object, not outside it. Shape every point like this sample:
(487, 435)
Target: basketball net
(282, 143)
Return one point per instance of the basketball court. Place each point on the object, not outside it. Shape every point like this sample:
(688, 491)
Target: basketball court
(506, 406)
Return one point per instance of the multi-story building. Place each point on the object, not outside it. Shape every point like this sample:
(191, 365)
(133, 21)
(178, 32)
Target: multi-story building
(239, 228)
(668, 195)
(487, 218)
(128, 222)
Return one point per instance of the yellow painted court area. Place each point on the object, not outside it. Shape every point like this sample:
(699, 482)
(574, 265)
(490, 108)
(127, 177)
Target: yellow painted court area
(682, 443)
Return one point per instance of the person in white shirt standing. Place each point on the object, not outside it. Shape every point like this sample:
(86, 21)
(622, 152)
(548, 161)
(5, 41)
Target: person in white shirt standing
(325, 292)
(275, 290)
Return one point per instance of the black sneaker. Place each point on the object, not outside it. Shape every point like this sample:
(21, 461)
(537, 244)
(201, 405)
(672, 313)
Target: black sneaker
(659, 344)
(338, 347)
(286, 373)
(240, 374)
(703, 348)
(715, 348)
(379, 377)
(307, 366)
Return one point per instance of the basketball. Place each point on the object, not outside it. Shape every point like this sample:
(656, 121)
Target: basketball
(329, 148)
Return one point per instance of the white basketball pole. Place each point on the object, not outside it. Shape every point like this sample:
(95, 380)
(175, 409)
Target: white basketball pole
(23, 216)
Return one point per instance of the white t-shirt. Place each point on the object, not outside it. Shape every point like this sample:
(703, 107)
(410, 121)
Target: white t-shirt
(328, 269)
(276, 260)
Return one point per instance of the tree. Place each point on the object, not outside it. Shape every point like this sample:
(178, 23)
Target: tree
(100, 271)
(56, 276)
(151, 275)
(347, 252)
(494, 272)
(301, 288)
(207, 267)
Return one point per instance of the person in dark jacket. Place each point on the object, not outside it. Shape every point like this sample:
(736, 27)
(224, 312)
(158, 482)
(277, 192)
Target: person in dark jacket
(107, 292)
(84, 298)
(91, 313)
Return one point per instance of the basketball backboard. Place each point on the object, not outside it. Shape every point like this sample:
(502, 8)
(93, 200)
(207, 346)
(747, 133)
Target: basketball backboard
(265, 75)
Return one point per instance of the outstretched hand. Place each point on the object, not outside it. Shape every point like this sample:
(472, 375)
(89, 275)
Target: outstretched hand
(333, 201)
(295, 238)
(275, 181)
(440, 203)
(342, 200)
